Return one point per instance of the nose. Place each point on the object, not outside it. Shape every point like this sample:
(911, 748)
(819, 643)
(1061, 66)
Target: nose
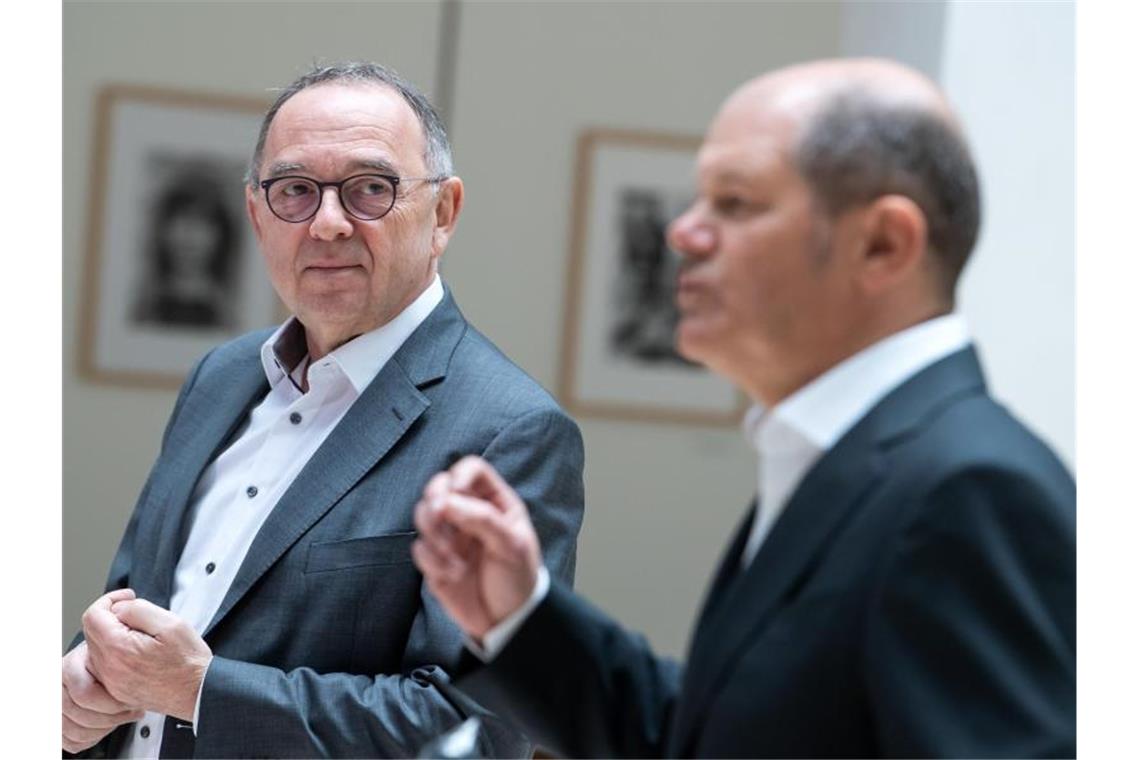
(690, 234)
(331, 221)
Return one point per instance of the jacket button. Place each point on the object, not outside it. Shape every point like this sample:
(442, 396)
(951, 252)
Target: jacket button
(251, 491)
(210, 567)
(295, 418)
(144, 732)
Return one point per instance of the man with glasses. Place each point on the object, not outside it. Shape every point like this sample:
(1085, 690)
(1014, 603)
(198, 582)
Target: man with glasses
(263, 600)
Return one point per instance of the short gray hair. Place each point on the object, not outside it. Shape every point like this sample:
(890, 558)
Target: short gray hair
(437, 153)
(858, 147)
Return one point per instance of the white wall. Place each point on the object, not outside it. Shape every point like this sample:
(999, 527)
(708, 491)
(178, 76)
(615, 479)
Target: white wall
(911, 32)
(1009, 68)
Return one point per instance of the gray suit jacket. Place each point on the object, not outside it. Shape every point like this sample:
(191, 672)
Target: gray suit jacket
(328, 643)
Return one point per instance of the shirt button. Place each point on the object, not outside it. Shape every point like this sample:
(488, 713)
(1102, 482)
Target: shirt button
(144, 732)
(210, 567)
(295, 418)
(251, 491)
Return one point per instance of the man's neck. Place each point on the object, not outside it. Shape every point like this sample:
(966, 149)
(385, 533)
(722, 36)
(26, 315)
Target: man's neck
(774, 387)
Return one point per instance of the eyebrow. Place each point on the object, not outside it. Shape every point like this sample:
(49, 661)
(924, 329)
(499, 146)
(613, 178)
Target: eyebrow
(729, 176)
(283, 168)
(378, 164)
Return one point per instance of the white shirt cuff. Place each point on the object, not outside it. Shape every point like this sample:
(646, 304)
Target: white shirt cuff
(498, 637)
(198, 701)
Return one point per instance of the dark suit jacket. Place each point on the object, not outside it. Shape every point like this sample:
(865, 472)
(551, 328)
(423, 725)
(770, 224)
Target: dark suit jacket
(327, 643)
(916, 597)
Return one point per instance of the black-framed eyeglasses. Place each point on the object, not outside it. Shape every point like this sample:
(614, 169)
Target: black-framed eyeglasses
(364, 196)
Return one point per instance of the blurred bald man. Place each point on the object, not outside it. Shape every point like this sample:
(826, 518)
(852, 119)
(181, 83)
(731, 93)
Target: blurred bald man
(904, 583)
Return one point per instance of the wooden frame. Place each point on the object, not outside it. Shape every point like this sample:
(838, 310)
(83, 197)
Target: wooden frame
(172, 267)
(618, 359)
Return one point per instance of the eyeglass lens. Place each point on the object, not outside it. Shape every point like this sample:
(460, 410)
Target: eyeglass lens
(367, 197)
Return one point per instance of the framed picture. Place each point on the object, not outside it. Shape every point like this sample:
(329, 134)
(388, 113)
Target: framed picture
(619, 359)
(172, 264)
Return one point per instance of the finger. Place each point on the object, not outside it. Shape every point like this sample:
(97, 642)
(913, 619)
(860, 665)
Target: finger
(477, 477)
(82, 688)
(98, 699)
(437, 566)
(78, 736)
(145, 616)
(100, 626)
(94, 719)
(100, 609)
(441, 543)
(439, 485)
(483, 522)
(427, 518)
(436, 530)
(118, 595)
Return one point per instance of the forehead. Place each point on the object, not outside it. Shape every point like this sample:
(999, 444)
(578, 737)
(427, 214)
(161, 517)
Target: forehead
(748, 142)
(330, 127)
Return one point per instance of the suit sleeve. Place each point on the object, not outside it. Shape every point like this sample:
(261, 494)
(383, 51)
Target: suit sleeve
(119, 576)
(254, 709)
(971, 642)
(578, 683)
(573, 679)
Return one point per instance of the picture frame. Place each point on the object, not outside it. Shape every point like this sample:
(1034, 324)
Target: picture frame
(618, 354)
(172, 267)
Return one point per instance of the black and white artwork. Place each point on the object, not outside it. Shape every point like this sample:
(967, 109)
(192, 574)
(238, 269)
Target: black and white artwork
(173, 267)
(619, 354)
(644, 311)
(189, 276)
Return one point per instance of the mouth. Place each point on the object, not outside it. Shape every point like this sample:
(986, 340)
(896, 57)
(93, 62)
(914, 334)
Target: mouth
(331, 268)
(689, 293)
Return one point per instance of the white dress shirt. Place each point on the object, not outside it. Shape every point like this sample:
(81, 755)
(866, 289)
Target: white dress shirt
(799, 430)
(239, 489)
(794, 434)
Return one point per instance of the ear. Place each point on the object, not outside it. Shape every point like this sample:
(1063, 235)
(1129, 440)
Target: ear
(448, 204)
(895, 235)
(251, 210)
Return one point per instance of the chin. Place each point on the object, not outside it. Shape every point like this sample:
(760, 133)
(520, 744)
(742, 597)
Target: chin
(691, 342)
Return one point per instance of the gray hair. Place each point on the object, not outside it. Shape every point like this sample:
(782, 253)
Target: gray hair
(857, 148)
(437, 153)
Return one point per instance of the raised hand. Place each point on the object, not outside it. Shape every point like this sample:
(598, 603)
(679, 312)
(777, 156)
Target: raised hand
(477, 548)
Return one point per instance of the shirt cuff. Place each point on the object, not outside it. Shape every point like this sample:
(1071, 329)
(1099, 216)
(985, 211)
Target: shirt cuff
(198, 701)
(498, 637)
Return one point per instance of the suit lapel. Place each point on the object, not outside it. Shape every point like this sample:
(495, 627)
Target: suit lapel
(389, 406)
(827, 497)
(213, 415)
(727, 573)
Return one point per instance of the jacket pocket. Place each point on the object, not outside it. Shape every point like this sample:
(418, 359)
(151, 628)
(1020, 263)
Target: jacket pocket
(388, 549)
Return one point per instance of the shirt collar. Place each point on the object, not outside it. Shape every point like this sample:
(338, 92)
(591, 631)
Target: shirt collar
(827, 407)
(361, 358)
